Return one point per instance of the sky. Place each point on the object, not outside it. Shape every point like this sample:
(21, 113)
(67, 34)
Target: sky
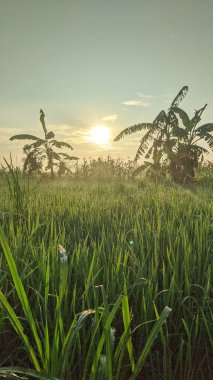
(100, 62)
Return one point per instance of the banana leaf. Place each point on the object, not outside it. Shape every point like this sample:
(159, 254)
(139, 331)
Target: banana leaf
(24, 137)
(132, 129)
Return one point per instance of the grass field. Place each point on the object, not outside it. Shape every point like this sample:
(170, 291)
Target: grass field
(135, 250)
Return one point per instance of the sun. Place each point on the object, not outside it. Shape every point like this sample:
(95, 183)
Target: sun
(99, 135)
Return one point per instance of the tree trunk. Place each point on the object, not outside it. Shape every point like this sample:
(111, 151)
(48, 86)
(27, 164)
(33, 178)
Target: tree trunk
(52, 170)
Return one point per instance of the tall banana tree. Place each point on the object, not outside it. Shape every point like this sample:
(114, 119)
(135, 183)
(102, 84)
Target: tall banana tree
(164, 138)
(43, 150)
(159, 140)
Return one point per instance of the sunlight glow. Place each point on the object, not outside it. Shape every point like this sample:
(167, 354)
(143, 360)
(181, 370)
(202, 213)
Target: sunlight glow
(99, 135)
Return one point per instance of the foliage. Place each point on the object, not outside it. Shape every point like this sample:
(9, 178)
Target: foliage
(33, 162)
(54, 355)
(63, 169)
(164, 140)
(132, 249)
(188, 152)
(43, 150)
(18, 186)
(101, 169)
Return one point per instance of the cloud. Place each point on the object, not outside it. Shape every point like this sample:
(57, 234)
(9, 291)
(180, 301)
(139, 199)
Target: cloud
(166, 96)
(69, 134)
(11, 131)
(136, 103)
(145, 96)
(110, 117)
(145, 100)
(60, 128)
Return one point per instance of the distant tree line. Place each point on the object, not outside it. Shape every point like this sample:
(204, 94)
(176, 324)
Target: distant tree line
(172, 141)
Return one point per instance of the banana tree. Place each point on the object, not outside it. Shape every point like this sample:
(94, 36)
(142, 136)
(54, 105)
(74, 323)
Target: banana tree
(43, 150)
(188, 150)
(165, 141)
(159, 140)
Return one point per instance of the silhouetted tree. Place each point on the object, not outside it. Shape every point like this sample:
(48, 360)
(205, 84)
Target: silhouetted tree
(188, 151)
(43, 150)
(165, 140)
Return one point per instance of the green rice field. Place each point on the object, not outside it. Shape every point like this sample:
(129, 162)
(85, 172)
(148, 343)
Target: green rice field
(133, 300)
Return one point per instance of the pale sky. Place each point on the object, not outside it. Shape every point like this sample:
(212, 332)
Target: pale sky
(100, 62)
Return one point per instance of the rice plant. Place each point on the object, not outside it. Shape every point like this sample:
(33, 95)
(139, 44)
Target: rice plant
(107, 281)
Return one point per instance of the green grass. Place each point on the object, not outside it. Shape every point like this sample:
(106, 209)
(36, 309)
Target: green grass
(135, 251)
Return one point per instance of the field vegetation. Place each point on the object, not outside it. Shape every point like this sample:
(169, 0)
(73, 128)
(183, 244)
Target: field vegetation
(129, 297)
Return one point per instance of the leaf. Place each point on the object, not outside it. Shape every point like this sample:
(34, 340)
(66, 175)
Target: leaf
(19, 328)
(42, 115)
(59, 144)
(132, 129)
(184, 117)
(71, 337)
(197, 116)
(35, 145)
(127, 316)
(167, 148)
(144, 143)
(50, 135)
(68, 157)
(142, 168)
(91, 348)
(179, 132)
(208, 138)
(12, 372)
(195, 120)
(200, 111)
(120, 353)
(149, 342)
(148, 154)
(53, 155)
(21, 292)
(173, 120)
(199, 149)
(24, 137)
(161, 118)
(186, 151)
(101, 342)
(205, 128)
(181, 94)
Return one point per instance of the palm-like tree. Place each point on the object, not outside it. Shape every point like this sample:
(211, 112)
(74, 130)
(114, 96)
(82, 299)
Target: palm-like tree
(43, 149)
(188, 150)
(164, 139)
(158, 139)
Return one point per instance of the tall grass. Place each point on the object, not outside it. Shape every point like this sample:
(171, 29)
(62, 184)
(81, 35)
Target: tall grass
(18, 186)
(133, 249)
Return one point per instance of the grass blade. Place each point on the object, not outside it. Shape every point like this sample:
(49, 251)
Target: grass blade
(21, 292)
(150, 340)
